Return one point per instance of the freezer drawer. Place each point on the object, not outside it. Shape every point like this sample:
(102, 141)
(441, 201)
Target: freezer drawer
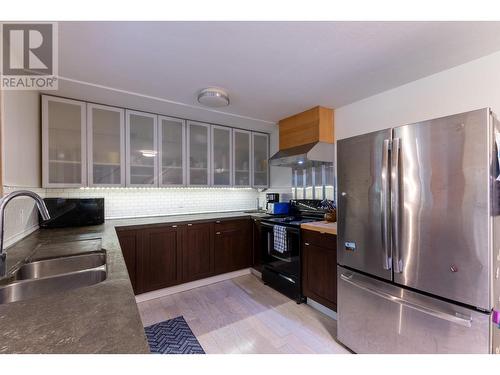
(378, 317)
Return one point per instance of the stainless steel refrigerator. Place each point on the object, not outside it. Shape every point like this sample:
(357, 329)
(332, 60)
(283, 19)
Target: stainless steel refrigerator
(418, 237)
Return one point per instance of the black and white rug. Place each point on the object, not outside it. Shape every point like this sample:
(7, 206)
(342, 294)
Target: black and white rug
(172, 337)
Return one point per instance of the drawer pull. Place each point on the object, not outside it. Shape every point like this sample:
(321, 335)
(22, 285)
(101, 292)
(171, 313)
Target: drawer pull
(174, 226)
(217, 222)
(306, 243)
(217, 233)
(190, 225)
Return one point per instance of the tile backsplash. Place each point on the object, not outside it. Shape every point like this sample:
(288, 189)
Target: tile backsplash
(22, 216)
(136, 202)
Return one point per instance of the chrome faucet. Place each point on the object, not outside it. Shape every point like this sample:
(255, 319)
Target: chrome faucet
(3, 203)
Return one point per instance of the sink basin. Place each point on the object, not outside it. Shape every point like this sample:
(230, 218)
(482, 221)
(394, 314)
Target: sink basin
(47, 276)
(57, 266)
(25, 289)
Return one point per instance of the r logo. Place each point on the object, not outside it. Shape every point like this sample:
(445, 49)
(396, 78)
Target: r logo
(27, 49)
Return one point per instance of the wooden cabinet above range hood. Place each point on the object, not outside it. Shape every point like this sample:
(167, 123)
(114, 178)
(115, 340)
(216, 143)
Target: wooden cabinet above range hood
(313, 125)
(306, 139)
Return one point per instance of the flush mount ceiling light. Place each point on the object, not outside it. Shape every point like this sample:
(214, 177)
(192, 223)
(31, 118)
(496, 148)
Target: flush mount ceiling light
(213, 97)
(148, 153)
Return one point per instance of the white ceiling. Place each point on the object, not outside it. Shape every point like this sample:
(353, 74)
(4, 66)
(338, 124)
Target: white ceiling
(271, 69)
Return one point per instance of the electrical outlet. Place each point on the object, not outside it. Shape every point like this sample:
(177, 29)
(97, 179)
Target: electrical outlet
(497, 349)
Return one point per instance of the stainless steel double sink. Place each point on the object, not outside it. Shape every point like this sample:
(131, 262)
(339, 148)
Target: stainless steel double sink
(47, 276)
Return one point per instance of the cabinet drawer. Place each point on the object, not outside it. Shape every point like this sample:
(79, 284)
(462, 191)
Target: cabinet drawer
(325, 240)
(225, 225)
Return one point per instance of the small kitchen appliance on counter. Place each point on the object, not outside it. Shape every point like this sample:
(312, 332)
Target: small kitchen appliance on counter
(272, 198)
(72, 212)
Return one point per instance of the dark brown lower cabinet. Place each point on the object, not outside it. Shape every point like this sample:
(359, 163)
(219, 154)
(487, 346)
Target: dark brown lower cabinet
(160, 259)
(130, 244)
(198, 252)
(319, 267)
(162, 256)
(257, 248)
(232, 245)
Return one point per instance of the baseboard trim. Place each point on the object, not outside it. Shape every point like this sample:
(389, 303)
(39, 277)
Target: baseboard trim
(190, 285)
(322, 308)
(254, 272)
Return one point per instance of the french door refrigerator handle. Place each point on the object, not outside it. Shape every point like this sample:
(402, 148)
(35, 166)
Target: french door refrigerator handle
(457, 319)
(395, 150)
(384, 196)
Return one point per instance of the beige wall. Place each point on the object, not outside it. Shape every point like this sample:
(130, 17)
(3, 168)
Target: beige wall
(466, 87)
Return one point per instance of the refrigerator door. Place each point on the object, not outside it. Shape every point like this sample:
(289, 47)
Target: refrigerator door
(378, 317)
(363, 239)
(441, 224)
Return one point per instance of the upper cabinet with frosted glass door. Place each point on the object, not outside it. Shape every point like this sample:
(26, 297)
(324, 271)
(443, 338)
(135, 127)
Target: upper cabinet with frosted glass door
(141, 146)
(221, 164)
(260, 152)
(172, 153)
(64, 142)
(242, 158)
(106, 145)
(198, 151)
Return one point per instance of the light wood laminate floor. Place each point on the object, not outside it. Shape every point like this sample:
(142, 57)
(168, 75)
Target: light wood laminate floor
(242, 315)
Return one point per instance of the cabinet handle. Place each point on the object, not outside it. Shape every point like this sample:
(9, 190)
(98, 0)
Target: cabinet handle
(217, 222)
(189, 225)
(217, 233)
(174, 226)
(306, 243)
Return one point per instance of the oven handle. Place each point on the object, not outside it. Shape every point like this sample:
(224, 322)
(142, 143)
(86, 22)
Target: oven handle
(288, 229)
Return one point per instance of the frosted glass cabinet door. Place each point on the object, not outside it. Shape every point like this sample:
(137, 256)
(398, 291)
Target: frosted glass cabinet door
(63, 142)
(172, 153)
(198, 153)
(142, 153)
(221, 156)
(106, 145)
(260, 143)
(242, 152)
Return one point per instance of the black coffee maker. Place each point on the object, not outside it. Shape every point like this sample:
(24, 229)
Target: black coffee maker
(272, 198)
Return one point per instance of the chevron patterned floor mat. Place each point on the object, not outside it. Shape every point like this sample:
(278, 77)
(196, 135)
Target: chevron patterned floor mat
(172, 337)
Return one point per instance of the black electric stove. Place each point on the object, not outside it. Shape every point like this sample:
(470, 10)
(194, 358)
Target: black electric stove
(281, 268)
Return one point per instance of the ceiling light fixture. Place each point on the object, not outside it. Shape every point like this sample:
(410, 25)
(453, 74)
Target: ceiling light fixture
(213, 97)
(148, 153)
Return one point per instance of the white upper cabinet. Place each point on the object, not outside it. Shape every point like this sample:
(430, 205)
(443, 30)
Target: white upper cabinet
(221, 164)
(106, 145)
(172, 151)
(198, 150)
(260, 152)
(242, 158)
(86, 144)
(141, 145)
(63, 142)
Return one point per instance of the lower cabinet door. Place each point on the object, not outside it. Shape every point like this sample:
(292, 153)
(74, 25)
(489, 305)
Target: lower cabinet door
(232, 248)
(197, 254)
(319, 278)
(160, 259)
(130, 245)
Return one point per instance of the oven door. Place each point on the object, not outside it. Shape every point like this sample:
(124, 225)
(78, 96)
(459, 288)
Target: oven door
(285, 263)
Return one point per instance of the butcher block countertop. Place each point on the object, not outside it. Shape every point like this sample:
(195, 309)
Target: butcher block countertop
(321, 226)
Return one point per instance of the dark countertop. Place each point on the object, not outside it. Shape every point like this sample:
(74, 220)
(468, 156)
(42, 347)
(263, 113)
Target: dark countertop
(101, 318)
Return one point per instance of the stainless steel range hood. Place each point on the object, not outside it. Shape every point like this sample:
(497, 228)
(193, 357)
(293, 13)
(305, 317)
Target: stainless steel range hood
(311, 154)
